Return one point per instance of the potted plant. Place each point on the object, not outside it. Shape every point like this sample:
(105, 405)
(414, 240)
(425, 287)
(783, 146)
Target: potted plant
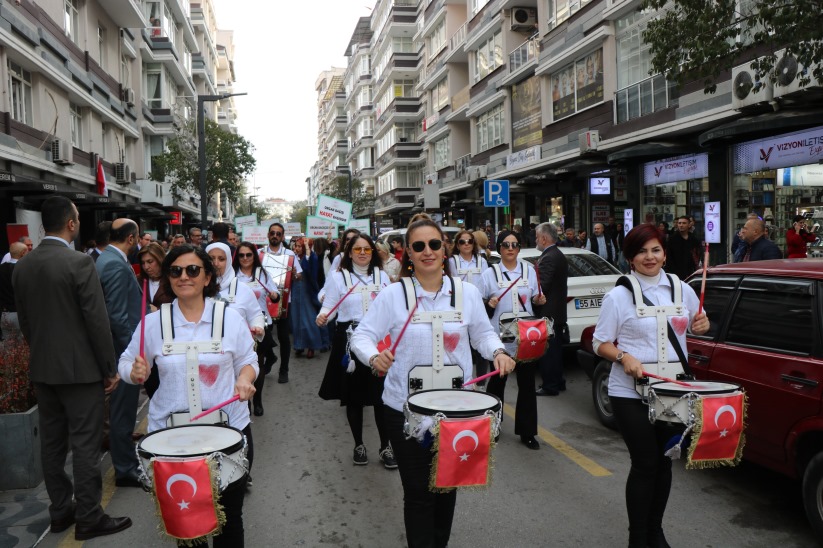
(19, 419)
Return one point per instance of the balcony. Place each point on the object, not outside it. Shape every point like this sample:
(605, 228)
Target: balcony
(456, 53)
(645, 97)
(402, 109)
(461, 167)
(523, 54)
(406, 153)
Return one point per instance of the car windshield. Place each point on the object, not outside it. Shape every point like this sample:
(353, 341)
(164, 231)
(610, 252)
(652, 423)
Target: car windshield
(585, 264)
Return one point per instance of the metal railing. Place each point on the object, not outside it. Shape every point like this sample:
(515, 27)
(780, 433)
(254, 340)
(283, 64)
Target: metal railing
(644, 97)
(523, 53)
(458, 38)
(461, 166)
(461, 98)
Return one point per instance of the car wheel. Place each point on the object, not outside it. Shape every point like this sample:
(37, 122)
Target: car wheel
(813, 493)
(600, 395)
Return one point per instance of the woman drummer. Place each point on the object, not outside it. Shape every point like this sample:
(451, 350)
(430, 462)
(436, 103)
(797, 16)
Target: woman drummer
(357, 388)
(650, 478)
(428, 516)
(190, 275)
(237, 294)
(522, 295)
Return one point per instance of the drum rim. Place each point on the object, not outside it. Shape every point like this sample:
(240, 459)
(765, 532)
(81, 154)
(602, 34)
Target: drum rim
(677, 390)
(452, 414)
(230, 450)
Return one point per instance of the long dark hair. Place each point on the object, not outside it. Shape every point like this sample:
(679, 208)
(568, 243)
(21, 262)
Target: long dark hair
(456, 246)
(346, 260)
(338, 249)
(255, 257)
(406, 270)
(211, 288)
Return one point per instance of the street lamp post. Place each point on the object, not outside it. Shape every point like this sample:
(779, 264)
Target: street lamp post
(250, 197)
(201, 151)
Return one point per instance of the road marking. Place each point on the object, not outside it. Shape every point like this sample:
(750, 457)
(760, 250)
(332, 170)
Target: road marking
(561, 446)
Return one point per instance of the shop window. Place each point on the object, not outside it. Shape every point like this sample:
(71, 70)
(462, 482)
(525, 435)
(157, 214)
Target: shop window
(664, 203)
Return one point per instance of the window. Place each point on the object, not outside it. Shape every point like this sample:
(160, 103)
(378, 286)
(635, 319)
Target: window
(404, 88)
(156, 146)
(105, 141)
(154, 90)
(76, 122)
(577, 86)
(101, 46)
(477, 5)
(442, 154)
(719, 293)
(20, 91)
(560, 10)
(440, 95)
(437, 39)
(488, 56)
(490, 128)
(169, 28)
(125, 71)
(71, 20)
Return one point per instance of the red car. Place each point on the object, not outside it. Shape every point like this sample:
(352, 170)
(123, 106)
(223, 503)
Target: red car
(766, 332)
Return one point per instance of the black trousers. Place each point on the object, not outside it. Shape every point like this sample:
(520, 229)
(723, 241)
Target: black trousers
(650, 477)
(551, 363)
(282, 328)
(265, 361)
(525, 418)
(428, 516)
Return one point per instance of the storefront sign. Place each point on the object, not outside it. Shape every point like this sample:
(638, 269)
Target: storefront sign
(318, 227)
(788, 150)
(680, 168)
(527, 156)
(333, 209)
(256, 234)
(247, 220)
(628, 220)
(360, 224)
(711, 214)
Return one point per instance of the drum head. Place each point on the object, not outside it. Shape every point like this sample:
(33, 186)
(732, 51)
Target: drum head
(195, 440)
(453, 403)
(697, 387)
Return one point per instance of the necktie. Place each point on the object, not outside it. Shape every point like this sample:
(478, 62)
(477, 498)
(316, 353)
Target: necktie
(747, 256)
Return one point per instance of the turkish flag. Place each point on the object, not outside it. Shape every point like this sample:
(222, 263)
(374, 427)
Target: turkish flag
(384, 344)
(183, 489)
(463, 456)
(102, 189)
(534, 339)
(719, 438)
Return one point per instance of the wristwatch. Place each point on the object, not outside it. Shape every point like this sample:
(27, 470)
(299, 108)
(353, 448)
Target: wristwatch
(500, 351)
(620, 356)
(371, 360)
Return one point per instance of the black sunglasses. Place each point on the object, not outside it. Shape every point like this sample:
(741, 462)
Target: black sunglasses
(434, 245)
(245, 255)
(192, 271)
(464, 242)
(510, 245)
(275, 233)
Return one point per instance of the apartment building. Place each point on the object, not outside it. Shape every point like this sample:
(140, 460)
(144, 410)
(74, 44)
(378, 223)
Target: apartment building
(106, 81)
(359, 108)
(332, 145)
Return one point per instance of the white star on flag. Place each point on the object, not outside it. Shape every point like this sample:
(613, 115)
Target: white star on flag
(183, 505)
(724, 433)
(464, 457)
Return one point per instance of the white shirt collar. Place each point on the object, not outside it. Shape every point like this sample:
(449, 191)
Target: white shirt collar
(58, 238)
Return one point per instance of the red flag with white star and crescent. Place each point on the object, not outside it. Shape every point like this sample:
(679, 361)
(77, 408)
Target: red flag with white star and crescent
(718, 438)
(463, 456)
(183, 489)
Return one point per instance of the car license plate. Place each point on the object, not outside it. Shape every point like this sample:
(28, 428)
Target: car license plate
(593, 302)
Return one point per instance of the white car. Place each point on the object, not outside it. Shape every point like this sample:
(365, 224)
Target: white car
(449, 231)
(590, 277)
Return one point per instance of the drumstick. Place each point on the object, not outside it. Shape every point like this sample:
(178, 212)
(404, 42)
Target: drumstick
(215, 408)
(405, 325)
(507, 289)
(329, 313)
(482, 377)
(661, 378)
(703, 284)
(143, 323)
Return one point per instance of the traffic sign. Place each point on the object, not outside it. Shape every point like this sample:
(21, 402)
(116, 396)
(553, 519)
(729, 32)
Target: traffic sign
(495, 193)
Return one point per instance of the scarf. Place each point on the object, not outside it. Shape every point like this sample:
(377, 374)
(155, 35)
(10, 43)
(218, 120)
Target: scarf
(228, 274)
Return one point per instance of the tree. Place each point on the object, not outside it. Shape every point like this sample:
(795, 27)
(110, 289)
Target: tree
(699, 39)
(247, 206)
(361, 200)
(229, 159)
(299, 212)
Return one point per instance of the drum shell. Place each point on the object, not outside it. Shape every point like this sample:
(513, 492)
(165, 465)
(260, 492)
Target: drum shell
(667, 402)
(416, 413)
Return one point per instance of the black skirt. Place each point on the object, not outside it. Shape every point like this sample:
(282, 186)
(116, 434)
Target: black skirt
(360, 387)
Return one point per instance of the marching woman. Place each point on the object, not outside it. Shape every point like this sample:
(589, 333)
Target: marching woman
(238, 295)
(428, 516)
(151, 268)
(304, 303)
(355, 386)
(250, 271)
(650, 477)
(517, 300)
(191, 276)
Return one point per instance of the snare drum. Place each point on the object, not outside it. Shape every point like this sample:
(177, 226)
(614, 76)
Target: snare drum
(226, 444)
(672, 402)
(529, 334)
(424, 409)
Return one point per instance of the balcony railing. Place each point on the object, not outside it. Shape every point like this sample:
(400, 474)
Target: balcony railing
(523, 53)
(645, 97)
(460, 99)
(461, 166)
(458, 37)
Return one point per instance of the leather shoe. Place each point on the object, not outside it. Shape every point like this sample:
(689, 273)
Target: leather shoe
(546, 392)
(530, 442)
(106, 526)
(60, 525)
(128, 481)
(258, 410)
(283, 378)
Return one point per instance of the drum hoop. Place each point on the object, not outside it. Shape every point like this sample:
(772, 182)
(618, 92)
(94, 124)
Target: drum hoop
(230, 450)
(454, 414)
(730, 388)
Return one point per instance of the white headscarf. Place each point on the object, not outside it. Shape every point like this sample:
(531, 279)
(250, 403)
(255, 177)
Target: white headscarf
(228, 274)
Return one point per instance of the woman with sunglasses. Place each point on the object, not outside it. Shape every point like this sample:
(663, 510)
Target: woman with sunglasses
(304, 303)
(428, 516)
(249, 270)
(190, 275)
(339, 251)
(353, 384)
(237, 294)
(521, 296)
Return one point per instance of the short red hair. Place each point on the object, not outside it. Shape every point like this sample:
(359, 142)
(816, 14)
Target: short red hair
(638, 237)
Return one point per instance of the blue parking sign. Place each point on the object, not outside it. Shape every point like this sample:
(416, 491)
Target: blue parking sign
(495, 193)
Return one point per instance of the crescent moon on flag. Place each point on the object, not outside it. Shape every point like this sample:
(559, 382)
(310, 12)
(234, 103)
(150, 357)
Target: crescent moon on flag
(463, 434)
(528, 332)
(181, 477)
(725, 409)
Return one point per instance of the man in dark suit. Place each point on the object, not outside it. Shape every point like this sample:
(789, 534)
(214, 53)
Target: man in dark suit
(101, 238)
(757, 246)
(554, 277)
(63, 315)
(123, 299)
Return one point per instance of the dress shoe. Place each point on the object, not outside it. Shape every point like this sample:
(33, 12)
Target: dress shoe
(530, 442)
(258, 410)
(128, 481)
(546, 392)
(60, 525)
(283, 378)
(310, 354)
(106, 526)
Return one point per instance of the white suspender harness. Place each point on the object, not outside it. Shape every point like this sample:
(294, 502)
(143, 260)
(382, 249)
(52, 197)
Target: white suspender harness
(364, 289)
(192, 349)
(232, 293)
(503, 283)
(467, 273)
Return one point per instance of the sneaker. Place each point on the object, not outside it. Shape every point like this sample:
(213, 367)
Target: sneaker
(387, 458)
(248, 481)
(360, 457)
(283, 378)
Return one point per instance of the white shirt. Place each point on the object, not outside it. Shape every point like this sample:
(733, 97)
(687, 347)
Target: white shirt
(283, 250)
(387, 315)
(154, 285)
(618, 321)
(245, 303)
(602, 244)
(458, 262)
(491, 289)
(260, 289)
(238, 352)
(350, 309)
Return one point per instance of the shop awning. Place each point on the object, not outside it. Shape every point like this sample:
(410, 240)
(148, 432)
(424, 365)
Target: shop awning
(762, 125)
(42, 189)
(650, 150)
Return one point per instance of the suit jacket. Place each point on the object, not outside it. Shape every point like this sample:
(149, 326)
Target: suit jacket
(554, 279)
(123, 296)
(62, 315)
(763, 249)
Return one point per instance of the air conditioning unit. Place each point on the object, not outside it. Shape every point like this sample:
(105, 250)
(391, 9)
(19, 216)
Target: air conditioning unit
(788, 73)
(589, 140)
(128, 96)
(476, 172)
(747, 90)
(62, 152)
(122, 173)
(523, 18)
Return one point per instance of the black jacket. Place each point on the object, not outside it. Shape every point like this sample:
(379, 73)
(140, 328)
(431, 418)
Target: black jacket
(554, 277)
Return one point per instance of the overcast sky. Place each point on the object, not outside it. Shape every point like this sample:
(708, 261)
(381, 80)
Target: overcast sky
(280, 49)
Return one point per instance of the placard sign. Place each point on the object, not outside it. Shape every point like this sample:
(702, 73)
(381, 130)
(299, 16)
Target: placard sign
(318, 227)
(292, 229)
(628, 220)
(246, 220)
(362, 225)
(711, 213)
(255, 234)
(333, 209)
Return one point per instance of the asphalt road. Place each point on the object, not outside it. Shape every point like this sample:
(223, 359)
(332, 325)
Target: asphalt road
(307, 492)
